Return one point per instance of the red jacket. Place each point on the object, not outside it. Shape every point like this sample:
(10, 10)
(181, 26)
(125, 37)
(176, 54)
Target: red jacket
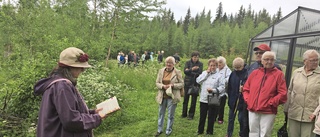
(264, 90)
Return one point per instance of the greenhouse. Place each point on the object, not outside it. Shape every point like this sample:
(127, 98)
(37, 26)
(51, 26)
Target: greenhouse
(289, 38)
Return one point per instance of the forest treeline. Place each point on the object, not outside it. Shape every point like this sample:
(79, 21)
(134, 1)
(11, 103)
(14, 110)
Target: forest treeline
(34, 32)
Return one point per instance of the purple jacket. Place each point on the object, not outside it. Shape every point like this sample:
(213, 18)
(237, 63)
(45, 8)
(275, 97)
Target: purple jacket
(63, 113)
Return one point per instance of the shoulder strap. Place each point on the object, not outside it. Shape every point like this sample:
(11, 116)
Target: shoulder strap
(60, 79)
(225, 73)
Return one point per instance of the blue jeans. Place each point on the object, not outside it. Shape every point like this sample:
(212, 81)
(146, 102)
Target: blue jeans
(166, 103)
(231, 121)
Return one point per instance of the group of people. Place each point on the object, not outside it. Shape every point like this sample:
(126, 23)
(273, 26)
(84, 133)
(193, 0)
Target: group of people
(254, 93)
(135, 59)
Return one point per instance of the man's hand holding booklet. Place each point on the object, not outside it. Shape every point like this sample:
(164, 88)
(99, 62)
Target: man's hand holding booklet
(109, 106)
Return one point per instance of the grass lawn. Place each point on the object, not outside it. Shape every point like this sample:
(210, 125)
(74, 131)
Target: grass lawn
(141, 107)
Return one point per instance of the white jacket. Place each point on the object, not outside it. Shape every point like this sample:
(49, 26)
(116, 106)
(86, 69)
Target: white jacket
(210, 80)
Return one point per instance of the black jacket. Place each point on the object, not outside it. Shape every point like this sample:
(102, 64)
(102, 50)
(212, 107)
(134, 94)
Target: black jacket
(190, 76)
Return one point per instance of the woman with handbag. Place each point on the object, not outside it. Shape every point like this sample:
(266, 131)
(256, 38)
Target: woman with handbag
(211, 83)
(169, 82)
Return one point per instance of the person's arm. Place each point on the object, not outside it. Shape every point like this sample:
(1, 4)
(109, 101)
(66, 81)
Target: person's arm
(180, 82)
(221, 85)
(159, 80)
(316, 111)
(281, 97)
(202, 77)
(290, 88)
(187, 70)
(66, 103)
(246, 88)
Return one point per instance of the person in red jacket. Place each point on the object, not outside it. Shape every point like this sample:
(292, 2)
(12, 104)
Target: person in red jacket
(263, 92)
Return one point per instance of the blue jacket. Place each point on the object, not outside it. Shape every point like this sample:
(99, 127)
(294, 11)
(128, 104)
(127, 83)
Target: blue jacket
(236, 78)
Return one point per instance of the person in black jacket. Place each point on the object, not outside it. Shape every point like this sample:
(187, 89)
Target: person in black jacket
(192, 69)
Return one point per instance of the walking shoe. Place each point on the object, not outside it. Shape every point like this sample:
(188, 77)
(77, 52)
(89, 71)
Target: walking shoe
(190, 118)
(158, 134)
(220, 122)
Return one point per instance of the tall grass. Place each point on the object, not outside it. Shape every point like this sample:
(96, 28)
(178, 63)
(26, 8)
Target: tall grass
(139, 113)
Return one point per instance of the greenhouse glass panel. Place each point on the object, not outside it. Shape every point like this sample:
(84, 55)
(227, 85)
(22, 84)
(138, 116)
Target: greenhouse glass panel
(286, 26)
(266, 34)
(309, 21)
(281, 48)
(303, 44)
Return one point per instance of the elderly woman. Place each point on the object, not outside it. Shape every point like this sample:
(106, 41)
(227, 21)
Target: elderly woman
(63, 112)
(224, 70)
(168, 77)
(235, 101)
(211, 82)
(263, 92)
(303, 93)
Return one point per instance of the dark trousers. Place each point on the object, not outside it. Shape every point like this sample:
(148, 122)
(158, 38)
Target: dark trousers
(245, 121)
(221, 108)
(192, 105)
(212, 112)
(232, 117)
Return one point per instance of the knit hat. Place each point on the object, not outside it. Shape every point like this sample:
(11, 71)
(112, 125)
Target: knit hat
(263, 47)
(74, 57)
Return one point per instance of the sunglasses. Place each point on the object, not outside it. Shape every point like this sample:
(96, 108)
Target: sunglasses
(261, 52)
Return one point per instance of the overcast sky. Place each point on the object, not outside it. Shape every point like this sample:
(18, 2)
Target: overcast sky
(180, 7)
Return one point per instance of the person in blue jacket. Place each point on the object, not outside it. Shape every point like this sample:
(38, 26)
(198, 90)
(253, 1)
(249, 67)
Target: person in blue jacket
(235, 101)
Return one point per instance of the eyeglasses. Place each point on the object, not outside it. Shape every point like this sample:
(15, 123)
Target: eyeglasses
(261, 52)
(314, 61)
(269, 60)
(169, 63)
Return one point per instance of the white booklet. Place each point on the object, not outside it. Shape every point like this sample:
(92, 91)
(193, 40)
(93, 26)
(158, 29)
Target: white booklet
(109, 106)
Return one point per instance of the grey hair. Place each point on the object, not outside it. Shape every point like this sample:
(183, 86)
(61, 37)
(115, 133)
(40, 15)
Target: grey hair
(170, 58)
(64, 72)
(238, 61)
(222, 59)
(269, 53)
(308, 52)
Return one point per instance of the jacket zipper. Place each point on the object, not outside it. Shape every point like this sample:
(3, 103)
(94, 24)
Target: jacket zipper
(262, 81)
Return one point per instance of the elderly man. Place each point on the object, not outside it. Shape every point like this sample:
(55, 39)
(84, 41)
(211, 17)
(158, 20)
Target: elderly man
(263, 92)
(303, 94)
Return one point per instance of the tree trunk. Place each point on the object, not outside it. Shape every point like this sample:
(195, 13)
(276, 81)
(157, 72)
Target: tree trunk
(115, 15)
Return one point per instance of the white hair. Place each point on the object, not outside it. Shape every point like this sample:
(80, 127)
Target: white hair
(222, 59)
(269, 53)
(238, 62)
(170, 58)
(308, 52)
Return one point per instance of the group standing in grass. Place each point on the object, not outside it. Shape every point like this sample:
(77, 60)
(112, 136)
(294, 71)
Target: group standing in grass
(254, 93)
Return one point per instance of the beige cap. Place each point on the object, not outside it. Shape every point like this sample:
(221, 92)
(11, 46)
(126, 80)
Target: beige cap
(74, 57)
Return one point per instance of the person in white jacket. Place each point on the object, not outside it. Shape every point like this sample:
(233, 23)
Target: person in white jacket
(225, 71)
(211, 82)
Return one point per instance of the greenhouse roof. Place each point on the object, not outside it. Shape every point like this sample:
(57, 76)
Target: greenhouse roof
(302, 22)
